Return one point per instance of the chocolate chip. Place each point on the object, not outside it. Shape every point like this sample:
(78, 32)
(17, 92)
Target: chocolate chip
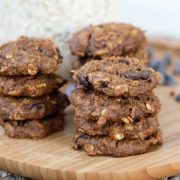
(158, 65)
(169, 80)
(124, 61)
(2, 57)
(154, 64)
(167, 59)
(84, 136)
(40, 49)
(37, 106)
(136, 120)
(83, 80)
(134, 75)
(178, 98)
(176, 70)
(104, 84)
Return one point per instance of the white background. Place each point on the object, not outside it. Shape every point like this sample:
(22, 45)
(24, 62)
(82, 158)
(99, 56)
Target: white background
(157, 17)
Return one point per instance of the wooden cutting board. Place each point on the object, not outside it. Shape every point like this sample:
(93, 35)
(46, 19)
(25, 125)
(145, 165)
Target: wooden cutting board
(53, 158)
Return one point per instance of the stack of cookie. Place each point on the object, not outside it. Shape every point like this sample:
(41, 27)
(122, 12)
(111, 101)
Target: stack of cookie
(114, 39)
(115, 107)
(30, 104)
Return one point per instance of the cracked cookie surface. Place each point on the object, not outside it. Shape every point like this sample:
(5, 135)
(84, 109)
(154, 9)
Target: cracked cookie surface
(137, 129)
(29, 56)
(141, 54)
(23, 108)
(35, 129)
(96, 106)
(116, 76)
(113, 39)
(30, 86)
(104, 145)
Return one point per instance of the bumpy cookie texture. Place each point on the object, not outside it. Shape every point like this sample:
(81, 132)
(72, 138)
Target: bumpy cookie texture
(104, 145)
(30, 86)
(137, 129)
(102, 108)
(28, 56)
(35, 129)
(116, 39)
(141, 54)
(116, 76)
(14, 108)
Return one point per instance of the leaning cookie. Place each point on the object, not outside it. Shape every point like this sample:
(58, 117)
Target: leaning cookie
(102, 108)
(24, 108)
(30, 86)
(137, 129)
(113, 39)
(116, 76)
(34, 129)
(104, 146)
(29, 56)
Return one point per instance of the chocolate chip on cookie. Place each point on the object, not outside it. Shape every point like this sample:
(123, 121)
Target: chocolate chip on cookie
(15, 108)
(115, 78)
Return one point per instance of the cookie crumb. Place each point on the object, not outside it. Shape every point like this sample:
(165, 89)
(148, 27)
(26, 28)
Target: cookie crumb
(172, 93)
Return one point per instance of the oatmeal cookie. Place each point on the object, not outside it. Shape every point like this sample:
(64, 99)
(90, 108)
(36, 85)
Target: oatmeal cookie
(35, 129)
(113, 39)
(140, 54)
(104, 145)
(97, 106)
(24, 108)
(30, 86)
(116, 76)
(137, 129)
(29, 56)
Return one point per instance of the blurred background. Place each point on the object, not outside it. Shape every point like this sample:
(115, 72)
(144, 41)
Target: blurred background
(58, 19)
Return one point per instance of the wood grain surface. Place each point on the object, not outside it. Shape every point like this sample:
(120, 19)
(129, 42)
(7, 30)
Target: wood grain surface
(53, 158)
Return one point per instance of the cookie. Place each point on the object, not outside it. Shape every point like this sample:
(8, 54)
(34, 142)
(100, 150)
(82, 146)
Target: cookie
(113, 39)
(102, 108)
(137, 129)
(104, 145)
(30, 86)
(116, 76)
(35, 129)
(140, 54)
(24, 108)
(29, 56)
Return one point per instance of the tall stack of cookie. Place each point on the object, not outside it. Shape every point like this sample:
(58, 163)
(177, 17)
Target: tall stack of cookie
(30, 104)
(115, 107)
(114, 39)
